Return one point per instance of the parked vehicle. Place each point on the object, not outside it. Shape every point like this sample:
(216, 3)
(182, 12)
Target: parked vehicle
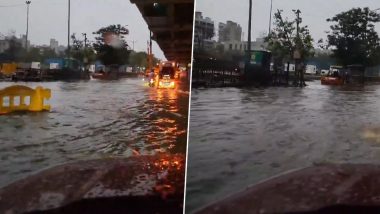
(335, 76)
(34, 75)
(311, 69)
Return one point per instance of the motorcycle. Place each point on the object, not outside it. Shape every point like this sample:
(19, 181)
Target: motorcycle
(151, 82)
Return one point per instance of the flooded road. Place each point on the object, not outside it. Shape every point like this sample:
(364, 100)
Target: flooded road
(239, 137)
(90, 120)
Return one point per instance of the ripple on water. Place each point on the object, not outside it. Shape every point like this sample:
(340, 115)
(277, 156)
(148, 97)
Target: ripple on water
(92, 119)
(241, 136)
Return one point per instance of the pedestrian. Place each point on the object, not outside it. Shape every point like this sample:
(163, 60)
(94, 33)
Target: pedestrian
(346, 76)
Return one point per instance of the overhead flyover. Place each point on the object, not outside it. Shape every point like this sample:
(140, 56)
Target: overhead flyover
(171, 22)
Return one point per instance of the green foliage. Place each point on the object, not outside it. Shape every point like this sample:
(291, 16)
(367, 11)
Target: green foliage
(15, 50)
(353, 37)
(283, 40)
(139, 59)
(39, 54)
(107, 53)
(17, 53)
(80, 52)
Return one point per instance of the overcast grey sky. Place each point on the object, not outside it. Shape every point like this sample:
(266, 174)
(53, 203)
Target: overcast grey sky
(314, 12)
(48, 19)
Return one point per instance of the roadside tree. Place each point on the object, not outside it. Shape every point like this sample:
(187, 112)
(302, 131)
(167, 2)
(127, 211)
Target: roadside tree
(287, 38)
(353, 38)
(110, 45)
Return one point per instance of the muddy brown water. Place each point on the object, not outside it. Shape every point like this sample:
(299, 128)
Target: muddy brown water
(239, 137)
(91, 120)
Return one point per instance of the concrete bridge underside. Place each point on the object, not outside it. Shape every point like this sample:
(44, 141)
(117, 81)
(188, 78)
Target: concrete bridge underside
(171, 22)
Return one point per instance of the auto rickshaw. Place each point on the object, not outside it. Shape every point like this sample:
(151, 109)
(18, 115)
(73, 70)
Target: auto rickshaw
(334, 77)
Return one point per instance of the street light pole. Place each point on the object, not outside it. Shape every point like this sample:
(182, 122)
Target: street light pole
(27, 23)
(133, 44)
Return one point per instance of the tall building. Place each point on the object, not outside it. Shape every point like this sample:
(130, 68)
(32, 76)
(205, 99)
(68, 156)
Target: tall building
(54, 45)
(229, 32)
(204, 31)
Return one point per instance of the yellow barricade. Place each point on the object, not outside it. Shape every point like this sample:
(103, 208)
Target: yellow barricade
(22, 98)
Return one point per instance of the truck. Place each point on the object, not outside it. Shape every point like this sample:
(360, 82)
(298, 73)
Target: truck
(55, 63)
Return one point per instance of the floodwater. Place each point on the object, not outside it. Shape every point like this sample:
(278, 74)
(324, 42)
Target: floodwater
(239, 137)
(90, 120)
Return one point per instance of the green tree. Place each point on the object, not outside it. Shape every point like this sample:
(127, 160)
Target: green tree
(47, 52)
(116, 51)
(33, 54)
(139, 59)
(284, 40)
(80, 52)
(353, 37)
(15, 51)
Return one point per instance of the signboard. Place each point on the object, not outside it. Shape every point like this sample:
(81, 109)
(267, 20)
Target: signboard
(36, 65)
(54, 66)
(256, 58)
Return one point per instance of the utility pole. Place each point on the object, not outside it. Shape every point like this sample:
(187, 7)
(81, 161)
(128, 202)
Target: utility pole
(27, 23)
(248, 54)
(150, 44)
(85, 40)
(133, 44)
(297, 54)
(68, 33)
(298, 26)
(150, 58)
(85, 50)
(249, 26)
(270, 18)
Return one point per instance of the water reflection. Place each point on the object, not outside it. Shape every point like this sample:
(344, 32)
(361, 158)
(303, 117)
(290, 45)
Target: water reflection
(241, 136)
